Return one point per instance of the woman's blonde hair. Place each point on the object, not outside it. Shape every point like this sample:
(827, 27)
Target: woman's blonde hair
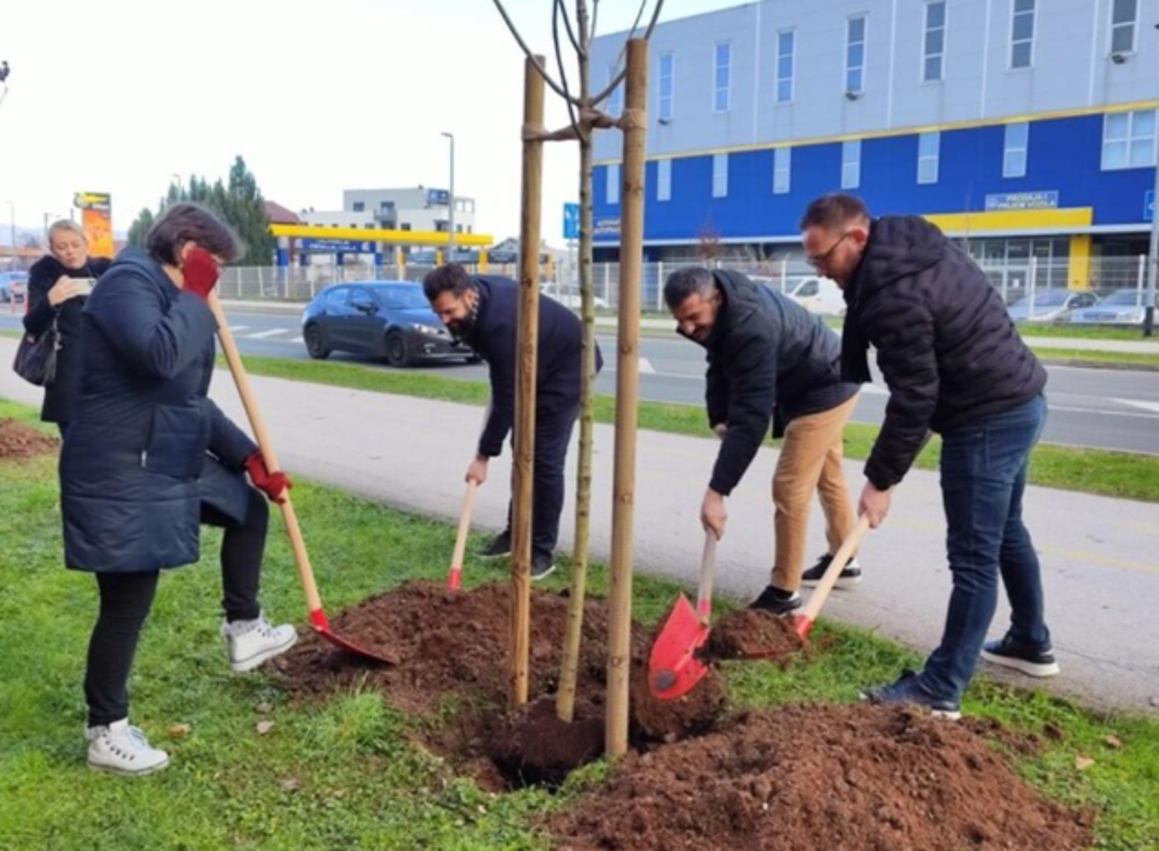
(66, 225)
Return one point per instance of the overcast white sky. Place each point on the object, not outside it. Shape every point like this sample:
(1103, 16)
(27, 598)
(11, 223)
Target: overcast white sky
(119, 95)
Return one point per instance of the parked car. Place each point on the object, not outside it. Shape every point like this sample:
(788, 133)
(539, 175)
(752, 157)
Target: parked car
(1051, 305)
(13, 285)
(386, 319)
(1124, 307)
(819, 295)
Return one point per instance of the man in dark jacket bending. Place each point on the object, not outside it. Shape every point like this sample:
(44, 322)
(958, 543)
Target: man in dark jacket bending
(955, 364)
(482, 311)
(769, 359)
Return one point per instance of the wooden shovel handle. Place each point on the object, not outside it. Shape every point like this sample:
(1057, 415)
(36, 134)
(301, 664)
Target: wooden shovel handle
(840, 559)
(707, 576)
(464, 524)
(258, 424)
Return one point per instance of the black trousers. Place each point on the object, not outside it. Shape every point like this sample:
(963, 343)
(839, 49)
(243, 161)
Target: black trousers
(126, 599)
(553, 430)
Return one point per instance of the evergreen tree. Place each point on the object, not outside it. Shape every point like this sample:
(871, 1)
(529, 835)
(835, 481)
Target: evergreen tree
(239, 202)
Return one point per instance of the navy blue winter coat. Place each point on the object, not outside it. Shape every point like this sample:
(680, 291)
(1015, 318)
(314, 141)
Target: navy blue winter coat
(134, 468)
(558, 362)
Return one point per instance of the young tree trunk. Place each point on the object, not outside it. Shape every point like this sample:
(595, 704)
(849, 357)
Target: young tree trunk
(565, 697)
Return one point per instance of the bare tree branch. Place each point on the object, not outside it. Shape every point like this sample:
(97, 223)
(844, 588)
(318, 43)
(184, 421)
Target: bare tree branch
(556, 9)
(619, 78)
(595, 20)
(580, 49)
(527, 52)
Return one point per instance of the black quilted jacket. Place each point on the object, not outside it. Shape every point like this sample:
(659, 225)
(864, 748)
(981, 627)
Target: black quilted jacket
(945, 344)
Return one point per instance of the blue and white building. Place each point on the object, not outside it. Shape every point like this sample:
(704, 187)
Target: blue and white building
(1027, 127)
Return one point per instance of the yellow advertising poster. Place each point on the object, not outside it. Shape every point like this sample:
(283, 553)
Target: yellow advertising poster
(97, 220)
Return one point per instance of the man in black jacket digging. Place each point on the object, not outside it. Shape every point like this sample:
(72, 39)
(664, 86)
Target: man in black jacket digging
(769, 359)
(955, 364)
(482, 311)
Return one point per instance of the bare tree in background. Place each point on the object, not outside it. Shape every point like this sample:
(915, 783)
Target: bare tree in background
(586, 116)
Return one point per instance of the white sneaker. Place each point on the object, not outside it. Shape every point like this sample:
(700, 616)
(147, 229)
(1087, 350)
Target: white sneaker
(253, 642)
(122, 749)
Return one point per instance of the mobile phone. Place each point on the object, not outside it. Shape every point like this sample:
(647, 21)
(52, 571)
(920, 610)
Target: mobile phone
(84, 286)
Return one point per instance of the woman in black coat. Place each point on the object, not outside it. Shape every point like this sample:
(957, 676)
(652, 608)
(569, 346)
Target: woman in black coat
(148, 458)
(57, 286)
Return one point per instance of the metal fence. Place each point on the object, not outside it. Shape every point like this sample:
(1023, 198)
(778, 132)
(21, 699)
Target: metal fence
(1033, 282)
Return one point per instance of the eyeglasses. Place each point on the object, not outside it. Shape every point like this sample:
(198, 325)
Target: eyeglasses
(819, 260)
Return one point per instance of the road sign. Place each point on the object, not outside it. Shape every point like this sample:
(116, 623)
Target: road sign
(571, 221)
(1149, 206)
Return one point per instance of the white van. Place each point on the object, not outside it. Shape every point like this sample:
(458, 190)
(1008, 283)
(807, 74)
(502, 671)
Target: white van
(819, 295)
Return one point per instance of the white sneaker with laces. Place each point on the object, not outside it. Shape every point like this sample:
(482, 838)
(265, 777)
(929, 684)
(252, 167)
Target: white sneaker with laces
(253, 642)
(123, 749)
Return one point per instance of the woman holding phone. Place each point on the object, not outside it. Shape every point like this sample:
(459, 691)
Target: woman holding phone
(149, 458)
(57, 286)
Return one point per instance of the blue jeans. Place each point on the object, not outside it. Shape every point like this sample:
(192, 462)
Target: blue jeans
(984, 469)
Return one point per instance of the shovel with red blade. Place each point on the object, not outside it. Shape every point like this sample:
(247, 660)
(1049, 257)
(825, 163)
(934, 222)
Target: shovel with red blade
(673, 669)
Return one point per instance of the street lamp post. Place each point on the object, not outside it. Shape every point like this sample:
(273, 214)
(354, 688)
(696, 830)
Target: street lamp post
(451, 204)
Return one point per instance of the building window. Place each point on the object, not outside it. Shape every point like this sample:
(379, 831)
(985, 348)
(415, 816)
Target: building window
(720, 175)
(667, 83)
(782, 171)
(1124, 14)
(664, 180)
(855, 38)
(1129, 140)
(1022, 34)
(1015, 149)
(359, 207)
(934, 50)
(929, 145)
(612, 187)
(851, 164)
(616, 98)
(786, 49)
(404, 226)
(722, 76)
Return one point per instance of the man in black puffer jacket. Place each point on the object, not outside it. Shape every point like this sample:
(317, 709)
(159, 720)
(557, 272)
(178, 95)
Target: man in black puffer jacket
(770, 360)
(482, 310)
(956, 365)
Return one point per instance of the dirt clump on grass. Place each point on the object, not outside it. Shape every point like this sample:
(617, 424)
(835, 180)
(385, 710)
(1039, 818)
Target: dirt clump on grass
(19, 441)
(753, 634)
(824, 778)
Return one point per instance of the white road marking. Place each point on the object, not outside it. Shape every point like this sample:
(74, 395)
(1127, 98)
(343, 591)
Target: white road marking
(1136, 403)
(262, 335)
(646, 367)
(236, 328)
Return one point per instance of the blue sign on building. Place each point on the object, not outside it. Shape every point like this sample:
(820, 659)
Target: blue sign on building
(1022, 201)
(1149, 206)
(571, 221)
(438, 197)
(336, 246)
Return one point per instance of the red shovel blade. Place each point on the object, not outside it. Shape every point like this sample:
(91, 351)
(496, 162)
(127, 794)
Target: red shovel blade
(802, 625)
(321, 625)
(673, 669)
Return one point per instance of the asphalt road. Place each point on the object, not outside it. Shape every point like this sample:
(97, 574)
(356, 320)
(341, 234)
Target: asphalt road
(1095, 408)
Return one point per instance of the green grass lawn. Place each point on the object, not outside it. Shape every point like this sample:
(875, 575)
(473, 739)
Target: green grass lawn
(1095, 471)
(1083, 357)
(345, 774)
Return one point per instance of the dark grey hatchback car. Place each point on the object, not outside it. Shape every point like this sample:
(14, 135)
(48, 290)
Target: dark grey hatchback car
(388, 319)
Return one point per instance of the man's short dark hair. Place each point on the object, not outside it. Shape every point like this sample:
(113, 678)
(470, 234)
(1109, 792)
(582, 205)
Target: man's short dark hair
(190, 222)
(834, 211)
(450, 277)
(691, 280)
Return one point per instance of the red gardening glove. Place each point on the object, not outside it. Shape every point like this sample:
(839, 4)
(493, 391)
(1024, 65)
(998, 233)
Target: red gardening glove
(274, 485)
(201, 272)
